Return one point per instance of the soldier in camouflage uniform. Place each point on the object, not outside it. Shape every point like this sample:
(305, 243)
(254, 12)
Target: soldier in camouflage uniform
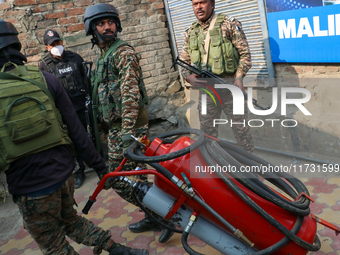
(120, 98)
(40, 180)
(228, 57)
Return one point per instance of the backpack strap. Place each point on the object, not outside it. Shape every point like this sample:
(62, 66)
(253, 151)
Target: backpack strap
(118, 43)
(8, 76)
(220, 19)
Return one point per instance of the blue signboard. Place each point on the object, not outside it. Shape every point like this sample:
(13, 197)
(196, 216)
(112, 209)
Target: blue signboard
(304, 31)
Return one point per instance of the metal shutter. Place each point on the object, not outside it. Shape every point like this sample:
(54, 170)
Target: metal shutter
(181, 16)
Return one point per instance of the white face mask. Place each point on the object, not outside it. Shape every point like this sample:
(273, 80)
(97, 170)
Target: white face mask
(57, 50)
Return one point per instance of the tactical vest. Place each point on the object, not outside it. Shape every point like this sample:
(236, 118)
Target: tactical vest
(103, 76)
(29, 120)
(68, 73)
(223, 57)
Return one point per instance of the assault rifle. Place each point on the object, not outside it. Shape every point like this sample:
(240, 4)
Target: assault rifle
(207, 74)
(88, 106)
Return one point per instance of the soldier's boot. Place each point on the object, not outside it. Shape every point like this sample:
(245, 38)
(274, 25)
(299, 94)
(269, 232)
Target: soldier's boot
(145, 224)
(124, 250)
(148, 224)
(166, 233)
(80, 178)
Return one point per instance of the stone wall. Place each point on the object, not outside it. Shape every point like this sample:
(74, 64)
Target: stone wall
(144, 27)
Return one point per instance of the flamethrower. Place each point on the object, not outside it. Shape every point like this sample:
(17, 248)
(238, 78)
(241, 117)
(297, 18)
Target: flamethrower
(234, 212)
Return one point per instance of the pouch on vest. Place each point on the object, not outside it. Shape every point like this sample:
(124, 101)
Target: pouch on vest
(231, 56)
(22, 130)
(110, 108)
(194, 52)
(215, 52)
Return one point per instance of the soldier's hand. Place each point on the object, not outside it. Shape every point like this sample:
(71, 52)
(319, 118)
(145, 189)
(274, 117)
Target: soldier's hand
(126, 145)
(194, 81)
(239, 84)
(109, 182)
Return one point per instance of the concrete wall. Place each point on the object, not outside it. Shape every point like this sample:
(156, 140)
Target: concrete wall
(144, 27)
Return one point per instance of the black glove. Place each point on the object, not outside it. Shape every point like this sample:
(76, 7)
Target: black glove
(109, 182)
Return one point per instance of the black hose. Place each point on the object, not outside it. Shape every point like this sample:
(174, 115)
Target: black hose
(254, 184)
(210, 160)
(277, 246)
(186, 246)
(157, 166)
(274, 178)
(271, 177)
(132, 156)
(215, 214)
(146, 211)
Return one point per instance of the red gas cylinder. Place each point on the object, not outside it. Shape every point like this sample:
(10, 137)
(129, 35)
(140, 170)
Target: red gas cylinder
(225, 202)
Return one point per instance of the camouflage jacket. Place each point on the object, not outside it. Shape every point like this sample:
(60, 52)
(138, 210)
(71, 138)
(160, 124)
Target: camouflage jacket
(124, 91)
(232, 30)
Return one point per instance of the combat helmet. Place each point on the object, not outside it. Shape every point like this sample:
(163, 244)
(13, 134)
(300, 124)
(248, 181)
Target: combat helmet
(8, 36)
(100, 11)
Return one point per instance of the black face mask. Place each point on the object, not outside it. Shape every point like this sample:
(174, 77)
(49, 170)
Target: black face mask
(9, 54)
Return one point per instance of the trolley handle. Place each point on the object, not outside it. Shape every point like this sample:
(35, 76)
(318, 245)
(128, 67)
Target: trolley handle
(88, 205)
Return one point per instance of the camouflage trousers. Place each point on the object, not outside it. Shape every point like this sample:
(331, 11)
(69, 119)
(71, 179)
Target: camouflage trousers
(115, 153)
(49, 219)
(240, 127)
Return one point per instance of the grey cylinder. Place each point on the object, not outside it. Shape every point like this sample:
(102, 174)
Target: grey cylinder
(161, 203)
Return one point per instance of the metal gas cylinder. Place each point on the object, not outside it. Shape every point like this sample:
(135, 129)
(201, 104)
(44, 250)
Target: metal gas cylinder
(226, 203)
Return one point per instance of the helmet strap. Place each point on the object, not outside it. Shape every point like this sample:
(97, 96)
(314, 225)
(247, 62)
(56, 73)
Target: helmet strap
(95, 35)
(94, 41)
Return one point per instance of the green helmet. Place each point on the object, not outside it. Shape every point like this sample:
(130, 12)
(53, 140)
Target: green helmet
(8, 36)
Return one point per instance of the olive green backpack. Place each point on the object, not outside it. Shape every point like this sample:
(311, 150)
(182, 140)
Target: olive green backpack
(29, 120)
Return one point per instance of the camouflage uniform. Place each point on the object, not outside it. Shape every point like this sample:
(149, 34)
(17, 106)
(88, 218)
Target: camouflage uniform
(124, 121)
(232, 30)
(49, 218)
